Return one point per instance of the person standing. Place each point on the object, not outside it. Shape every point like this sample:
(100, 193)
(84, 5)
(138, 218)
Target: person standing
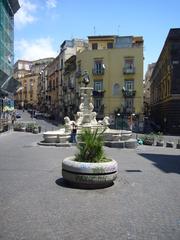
(13, 118)
(73, 133)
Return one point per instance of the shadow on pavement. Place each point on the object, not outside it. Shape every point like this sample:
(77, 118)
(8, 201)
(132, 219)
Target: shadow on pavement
(63, 183)
(166, 163)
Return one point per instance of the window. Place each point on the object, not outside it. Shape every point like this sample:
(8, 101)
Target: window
(26, 67)
(110, 45)
(98, 85)
(129, 104)
(97, 103)
(129, 85)
(129, 63)
(94, 46)
(98, 67)
(61, 64)
(116, 89)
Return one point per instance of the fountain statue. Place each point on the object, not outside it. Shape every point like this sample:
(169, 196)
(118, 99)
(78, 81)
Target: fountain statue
(86, 118)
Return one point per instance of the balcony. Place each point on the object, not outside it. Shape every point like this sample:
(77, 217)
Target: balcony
(99, 93)
(129, 70)
(98, 71)
(129, 93)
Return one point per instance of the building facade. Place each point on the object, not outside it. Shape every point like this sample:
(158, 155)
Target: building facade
(146, 93)
(115, 67)
(52, 90)
(7, 10)
(71, 92)
(165, 85)
(68, 49)
(27, 73)
(22, 68)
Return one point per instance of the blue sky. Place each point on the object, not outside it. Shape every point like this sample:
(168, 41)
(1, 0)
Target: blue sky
(42, 25)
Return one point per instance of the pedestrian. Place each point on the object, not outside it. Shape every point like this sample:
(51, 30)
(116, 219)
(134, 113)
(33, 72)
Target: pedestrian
(73, 133)
(13, 118)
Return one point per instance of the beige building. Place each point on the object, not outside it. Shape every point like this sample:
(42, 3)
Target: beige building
(146, 93)
(68, 49)
(27, 72)
(52, 90)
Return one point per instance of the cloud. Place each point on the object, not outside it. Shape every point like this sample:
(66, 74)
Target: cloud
(25, 14)
(51, 3)
(35, 49)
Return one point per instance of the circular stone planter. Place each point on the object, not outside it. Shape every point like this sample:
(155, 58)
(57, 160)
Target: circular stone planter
(89, 175)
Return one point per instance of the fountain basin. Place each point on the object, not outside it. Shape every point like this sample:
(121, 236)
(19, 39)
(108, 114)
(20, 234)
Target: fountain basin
(56, 136)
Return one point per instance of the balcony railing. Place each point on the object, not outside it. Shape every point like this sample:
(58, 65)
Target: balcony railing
(98, 71)
(129, 93)
(129, 70)
(99, 93)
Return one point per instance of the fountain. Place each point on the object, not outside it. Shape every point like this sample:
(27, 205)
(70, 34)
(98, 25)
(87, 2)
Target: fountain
(86, 118)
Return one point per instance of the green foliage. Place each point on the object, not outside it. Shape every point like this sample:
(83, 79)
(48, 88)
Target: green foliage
(90, 147)
(19, 126)
(149, 137)
(30, 127)
(159, 136)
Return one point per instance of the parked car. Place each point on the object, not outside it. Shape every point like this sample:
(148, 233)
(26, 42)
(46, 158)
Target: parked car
(18, 115)
(38, 115)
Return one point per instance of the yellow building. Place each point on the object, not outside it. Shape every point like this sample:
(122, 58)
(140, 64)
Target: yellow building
(115, 67)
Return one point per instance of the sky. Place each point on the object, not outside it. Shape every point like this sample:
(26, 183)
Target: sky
(42, 25)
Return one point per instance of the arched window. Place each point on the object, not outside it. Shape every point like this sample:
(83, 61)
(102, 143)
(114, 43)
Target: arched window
(116, 89)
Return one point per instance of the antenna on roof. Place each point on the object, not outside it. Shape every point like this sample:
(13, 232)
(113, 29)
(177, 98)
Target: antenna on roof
(118, 28)
(94, 29)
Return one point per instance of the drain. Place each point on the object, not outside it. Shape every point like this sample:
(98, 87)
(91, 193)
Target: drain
(133, 170)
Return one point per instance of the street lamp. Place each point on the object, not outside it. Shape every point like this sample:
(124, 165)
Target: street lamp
(131, 124)
(85, 78)
(118, 115)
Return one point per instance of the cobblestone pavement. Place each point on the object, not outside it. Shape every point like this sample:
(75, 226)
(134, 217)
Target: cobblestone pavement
(143, 204)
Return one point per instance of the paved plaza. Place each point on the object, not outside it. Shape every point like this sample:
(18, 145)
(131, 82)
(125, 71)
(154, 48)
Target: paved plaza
(35, 204)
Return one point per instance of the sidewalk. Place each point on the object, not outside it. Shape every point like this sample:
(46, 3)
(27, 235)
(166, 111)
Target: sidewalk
(143, 204)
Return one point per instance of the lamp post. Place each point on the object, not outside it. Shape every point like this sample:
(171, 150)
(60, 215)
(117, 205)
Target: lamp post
(117, 117)
(85, 78)
(131, 124)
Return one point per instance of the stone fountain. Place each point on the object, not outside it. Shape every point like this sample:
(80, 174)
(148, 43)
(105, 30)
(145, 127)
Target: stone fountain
(86, 118)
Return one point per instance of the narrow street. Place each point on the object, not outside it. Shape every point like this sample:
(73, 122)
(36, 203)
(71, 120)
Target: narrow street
(46, 125)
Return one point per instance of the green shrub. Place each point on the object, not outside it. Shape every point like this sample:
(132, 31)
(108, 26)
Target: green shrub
(90, 147)
(149, 137)
(159, 136)
(30, 127)
(19, 126)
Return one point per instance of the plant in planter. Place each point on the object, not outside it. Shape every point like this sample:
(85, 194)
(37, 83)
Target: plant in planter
(159, 139)
(90, 168)
(32, 127)
(19, 126)
(148, 139)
